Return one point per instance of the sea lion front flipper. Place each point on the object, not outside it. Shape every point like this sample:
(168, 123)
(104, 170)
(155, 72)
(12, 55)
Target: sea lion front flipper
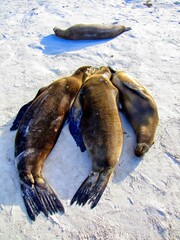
(137, 88)
(75, 124)
(23, 109)
(92, 188)
(19, 116)
(48, 198)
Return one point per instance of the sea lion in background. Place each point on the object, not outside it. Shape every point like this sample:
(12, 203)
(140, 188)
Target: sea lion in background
(90, 31)
(140, 109)
(37, 134)
(95, 124)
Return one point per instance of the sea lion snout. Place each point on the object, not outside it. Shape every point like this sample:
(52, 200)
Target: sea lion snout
(141, 149)
(55, 29)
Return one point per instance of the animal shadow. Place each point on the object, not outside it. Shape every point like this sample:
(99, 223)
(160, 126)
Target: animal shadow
(128, 162)
(52, 44)
(8, 180)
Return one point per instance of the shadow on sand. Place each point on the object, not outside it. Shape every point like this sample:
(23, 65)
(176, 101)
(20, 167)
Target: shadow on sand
(128, 162)
(52, 44)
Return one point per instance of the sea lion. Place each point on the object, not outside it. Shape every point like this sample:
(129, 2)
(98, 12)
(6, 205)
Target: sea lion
(95, 124)
(23, 109)
(140, 109)
(37, 134)
(90, 31)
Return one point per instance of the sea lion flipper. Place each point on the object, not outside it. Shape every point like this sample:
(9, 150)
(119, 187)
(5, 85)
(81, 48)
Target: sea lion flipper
(19, 116)
(31, 200)
(74, 124)
(137, 88)
(40, 197)
(23, 109)
(48, 198)
(91, 189)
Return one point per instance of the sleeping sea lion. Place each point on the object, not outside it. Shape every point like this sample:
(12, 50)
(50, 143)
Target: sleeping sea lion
(23, 109)
(37, 134)
(140, 109)
(95, 124)
(90, 31)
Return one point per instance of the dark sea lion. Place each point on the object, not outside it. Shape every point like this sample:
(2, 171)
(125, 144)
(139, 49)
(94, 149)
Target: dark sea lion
(37, 134)
(23, 109)
(96, 126)
(140, 109)
(90, 31)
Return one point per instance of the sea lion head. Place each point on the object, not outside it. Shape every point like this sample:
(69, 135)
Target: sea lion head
(59, 32)
(105, 72)
(85, 72)
(141, 149)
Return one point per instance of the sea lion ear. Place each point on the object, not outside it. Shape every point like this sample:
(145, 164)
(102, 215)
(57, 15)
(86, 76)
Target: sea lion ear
(111, 70)
(136, 88)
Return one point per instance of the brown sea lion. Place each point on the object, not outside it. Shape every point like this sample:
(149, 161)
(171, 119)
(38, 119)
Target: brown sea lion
(96, 126)
(23, 109)
(90, 31)
(37, 134)
(140, 109)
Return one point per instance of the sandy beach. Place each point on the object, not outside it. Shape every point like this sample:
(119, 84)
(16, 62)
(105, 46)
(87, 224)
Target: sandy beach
(142, 199)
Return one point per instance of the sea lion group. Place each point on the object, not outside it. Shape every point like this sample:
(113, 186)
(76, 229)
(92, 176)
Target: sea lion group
(89, 98)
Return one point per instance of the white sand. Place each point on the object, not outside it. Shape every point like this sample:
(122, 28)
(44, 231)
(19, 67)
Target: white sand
(142, 199)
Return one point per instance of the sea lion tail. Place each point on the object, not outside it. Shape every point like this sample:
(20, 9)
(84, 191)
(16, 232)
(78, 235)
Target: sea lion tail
(92, 189)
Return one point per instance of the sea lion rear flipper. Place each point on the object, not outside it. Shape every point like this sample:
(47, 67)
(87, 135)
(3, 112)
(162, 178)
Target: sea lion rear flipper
(137, 88)
(49, 200)
(92, 189)
(31, 201)
(39, 197)
(75, 124)
(23, 109)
